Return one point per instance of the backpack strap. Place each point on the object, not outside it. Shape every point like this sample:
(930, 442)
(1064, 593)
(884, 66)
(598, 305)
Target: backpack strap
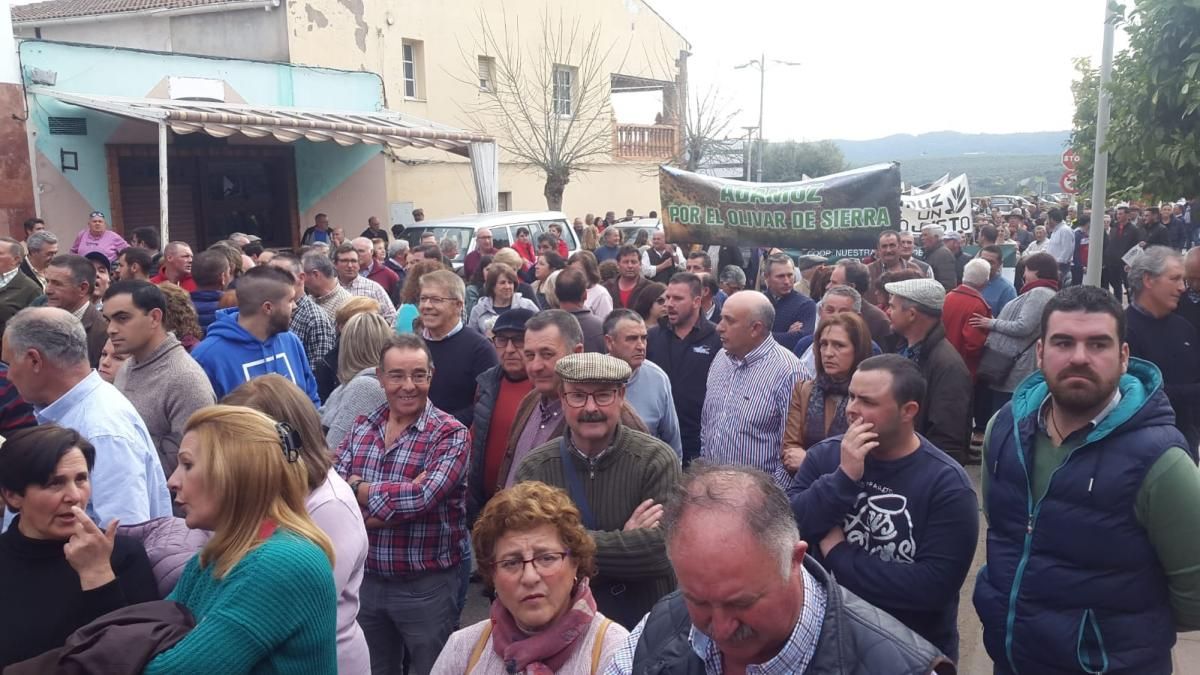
(598, 644)
(480, 644)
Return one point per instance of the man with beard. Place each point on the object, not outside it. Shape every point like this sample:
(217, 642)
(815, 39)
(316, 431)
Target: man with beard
(895, 517)
(254, 339)
(1085, 484)
(1162, 337)
(684, 346)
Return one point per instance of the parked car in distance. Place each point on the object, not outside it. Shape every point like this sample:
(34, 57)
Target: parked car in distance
(503, 225)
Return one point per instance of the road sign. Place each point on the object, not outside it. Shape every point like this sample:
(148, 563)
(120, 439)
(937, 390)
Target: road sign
(1067, 182)
(1070, 159)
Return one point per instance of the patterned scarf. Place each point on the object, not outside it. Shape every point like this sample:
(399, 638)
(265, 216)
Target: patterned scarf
(545, 652)
(814, 422)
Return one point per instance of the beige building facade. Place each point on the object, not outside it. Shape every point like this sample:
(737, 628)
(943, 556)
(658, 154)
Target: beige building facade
(433, 59)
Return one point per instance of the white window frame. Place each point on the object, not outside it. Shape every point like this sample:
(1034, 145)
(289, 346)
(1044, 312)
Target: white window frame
(412, 56)
(487, 73)
(563, 90)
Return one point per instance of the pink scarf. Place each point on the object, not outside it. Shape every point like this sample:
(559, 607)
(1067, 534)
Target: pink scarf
(547, 651)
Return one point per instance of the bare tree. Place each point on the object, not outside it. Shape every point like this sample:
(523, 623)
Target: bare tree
(706, 130)
(549, 95)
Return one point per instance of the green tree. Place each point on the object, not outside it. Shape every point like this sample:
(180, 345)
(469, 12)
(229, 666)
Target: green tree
(788, 161)
(1154, 133)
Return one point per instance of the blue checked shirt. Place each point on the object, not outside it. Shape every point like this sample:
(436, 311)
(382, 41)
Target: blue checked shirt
(793, 659)
(746, 408)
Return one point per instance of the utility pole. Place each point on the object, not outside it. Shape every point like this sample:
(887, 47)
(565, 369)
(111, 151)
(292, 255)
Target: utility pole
(748, 154)
(1100, 171)
(761, 64)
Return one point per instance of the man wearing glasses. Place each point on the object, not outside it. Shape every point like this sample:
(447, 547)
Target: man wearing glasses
(501, 389)
(461, 354)
(406, 463)
(619, 479)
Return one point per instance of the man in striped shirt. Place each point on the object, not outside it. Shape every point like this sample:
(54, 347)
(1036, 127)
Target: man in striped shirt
(749, 389)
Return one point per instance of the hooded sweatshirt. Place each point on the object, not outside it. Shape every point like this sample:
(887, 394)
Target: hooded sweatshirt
(231, 355)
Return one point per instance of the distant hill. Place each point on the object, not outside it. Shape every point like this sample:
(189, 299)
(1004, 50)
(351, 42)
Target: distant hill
(951, 144)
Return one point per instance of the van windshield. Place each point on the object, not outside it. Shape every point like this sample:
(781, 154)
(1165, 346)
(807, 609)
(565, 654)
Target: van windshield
(460, 235)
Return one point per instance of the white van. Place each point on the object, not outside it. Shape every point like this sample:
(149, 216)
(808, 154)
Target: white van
(504, 226)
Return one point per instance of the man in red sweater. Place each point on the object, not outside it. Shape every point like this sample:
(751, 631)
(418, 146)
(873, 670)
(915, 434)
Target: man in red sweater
(963, 302)
(177, 267)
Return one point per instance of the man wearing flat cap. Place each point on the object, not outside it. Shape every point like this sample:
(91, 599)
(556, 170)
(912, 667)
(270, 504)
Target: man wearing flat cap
(944, 416)
(619, 479)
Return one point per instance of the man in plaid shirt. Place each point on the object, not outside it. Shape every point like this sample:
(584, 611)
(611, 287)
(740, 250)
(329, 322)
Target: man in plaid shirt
(407, 465)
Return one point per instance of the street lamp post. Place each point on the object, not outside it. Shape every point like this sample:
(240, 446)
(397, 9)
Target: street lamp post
(761, 64)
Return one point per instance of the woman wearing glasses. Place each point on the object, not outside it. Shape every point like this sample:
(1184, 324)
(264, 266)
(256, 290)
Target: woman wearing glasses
(262, 588)
(536, 554)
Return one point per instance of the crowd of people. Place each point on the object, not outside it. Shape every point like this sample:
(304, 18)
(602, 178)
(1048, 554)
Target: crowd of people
(654, 459)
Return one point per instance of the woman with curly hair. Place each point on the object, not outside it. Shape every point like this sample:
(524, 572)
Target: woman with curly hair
(534, 551)
(181, 318)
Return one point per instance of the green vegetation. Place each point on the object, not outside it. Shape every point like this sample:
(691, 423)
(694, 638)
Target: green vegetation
(1154, 134)
(989, 174)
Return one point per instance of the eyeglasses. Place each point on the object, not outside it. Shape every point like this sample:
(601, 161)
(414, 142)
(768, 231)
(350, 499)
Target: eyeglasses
(578, 399)
(543, 563)
(503, 341)
(433, 300)
(420, 377)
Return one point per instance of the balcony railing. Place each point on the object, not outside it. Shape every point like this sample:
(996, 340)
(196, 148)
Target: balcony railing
(645, 141)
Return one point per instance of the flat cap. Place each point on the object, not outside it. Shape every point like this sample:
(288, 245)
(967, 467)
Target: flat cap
(924, 292)
(513, 319)
(952, 236)
(807, 262)
(592, 367)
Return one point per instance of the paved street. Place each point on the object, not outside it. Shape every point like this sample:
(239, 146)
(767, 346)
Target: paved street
(973, 659)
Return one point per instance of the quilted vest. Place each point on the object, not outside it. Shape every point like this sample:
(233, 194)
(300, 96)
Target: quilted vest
(1072, 583)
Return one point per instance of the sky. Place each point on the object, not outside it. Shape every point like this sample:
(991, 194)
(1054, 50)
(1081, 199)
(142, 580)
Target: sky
(871, 68)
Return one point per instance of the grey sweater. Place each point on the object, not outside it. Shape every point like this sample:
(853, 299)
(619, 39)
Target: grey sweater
(166, 389)
(1015, 329)
(633, 570)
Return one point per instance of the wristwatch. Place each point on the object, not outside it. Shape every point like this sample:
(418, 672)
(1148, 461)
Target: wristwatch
(354, 487)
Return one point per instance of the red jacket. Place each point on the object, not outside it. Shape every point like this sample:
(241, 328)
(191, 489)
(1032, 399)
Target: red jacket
(383, 276)
(526, 250)
(962, 303)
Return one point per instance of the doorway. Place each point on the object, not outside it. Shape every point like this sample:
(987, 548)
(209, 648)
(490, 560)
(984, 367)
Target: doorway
(212, 191)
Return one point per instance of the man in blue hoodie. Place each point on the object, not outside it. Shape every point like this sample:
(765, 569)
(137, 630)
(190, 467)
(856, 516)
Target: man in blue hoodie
(1093, 558)
(254, 339)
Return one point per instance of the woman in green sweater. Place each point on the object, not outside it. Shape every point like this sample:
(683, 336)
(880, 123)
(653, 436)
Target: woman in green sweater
(262, 588)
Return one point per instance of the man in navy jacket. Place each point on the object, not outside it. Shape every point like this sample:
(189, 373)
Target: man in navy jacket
(684, 345)
(795, 314)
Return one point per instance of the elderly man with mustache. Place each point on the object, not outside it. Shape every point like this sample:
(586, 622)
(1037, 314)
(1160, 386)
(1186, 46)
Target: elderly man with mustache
(619, 479)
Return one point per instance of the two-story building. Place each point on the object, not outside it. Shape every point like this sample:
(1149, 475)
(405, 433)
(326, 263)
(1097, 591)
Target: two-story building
(421, 61)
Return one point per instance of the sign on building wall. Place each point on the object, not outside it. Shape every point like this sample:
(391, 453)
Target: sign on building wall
(947, 204)
(839, 215)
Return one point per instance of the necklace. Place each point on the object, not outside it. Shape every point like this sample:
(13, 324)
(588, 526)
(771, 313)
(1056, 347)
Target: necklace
(1054, 426)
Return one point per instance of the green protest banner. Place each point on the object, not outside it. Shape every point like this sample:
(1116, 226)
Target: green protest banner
(838, 215)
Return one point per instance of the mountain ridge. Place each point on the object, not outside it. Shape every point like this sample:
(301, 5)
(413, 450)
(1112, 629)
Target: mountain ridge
(900, 147)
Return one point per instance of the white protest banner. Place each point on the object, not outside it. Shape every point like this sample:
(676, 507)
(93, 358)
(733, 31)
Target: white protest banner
(948, 205)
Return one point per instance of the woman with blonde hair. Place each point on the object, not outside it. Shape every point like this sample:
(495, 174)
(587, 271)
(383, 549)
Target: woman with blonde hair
(262, 587)
(326, 371)
(534, 551)
(359, 392)
(599, 300)
(548, 290)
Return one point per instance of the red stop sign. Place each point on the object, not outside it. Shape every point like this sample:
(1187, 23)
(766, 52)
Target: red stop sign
(1070, 159)
(1067, 182)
